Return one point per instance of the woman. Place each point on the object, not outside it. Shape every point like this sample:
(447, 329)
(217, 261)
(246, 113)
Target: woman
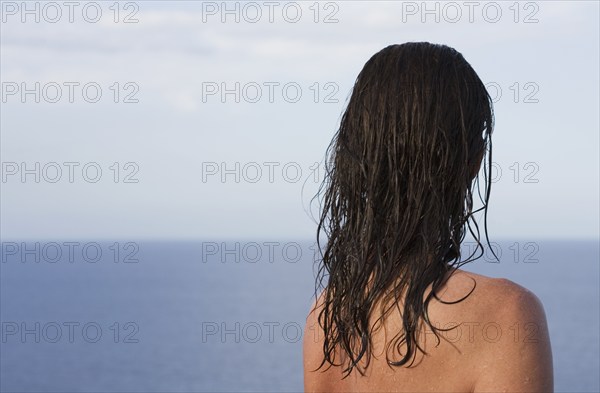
(396, 313)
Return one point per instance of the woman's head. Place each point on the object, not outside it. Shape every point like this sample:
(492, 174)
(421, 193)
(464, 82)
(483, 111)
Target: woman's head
(398, 193)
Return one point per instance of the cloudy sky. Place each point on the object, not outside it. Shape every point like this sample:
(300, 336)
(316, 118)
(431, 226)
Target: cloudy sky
(185, 120)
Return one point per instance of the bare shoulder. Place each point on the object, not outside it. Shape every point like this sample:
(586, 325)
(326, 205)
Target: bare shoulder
(514, 347)
(499, 291)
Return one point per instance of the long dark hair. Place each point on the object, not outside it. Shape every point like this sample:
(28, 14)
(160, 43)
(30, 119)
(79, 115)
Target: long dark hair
(398, 196)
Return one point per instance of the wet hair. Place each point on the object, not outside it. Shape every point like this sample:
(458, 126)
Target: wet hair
(400, 174)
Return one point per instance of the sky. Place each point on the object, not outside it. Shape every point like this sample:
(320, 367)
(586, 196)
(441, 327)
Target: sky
(210, 120)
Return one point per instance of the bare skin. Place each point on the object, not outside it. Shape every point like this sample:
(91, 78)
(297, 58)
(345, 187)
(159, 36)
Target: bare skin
(501, 344)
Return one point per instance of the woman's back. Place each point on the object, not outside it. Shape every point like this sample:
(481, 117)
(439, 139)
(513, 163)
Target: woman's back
(501, 344)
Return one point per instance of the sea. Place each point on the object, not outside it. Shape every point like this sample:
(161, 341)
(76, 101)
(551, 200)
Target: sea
(228, 315)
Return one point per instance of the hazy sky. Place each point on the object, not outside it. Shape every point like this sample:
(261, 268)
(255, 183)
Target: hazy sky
(178, 159)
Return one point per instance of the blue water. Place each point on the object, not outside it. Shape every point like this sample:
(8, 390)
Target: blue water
(209, 317)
